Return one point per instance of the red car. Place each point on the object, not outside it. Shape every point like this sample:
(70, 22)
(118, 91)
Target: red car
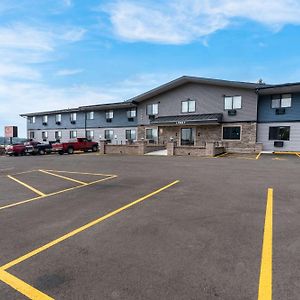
(82, 144)
(15, 149)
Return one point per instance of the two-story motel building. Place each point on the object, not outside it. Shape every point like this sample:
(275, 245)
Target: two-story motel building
(188, 110)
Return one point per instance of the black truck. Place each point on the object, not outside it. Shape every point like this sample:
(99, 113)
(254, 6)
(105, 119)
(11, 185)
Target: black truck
(33, 148)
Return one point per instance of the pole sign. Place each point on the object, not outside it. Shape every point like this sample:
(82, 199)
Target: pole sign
(10, 131)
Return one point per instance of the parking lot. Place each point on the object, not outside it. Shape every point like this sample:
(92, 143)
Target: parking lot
(148, 227)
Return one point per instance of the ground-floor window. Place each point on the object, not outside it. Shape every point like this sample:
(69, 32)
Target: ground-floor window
(279, 133)
(109, 135)
(187, 136)
(73, 134)
(130, 134)
(151, 134)
(90, 134)
(58, 135)
(31, 135)
(44, 135)
(232, 133)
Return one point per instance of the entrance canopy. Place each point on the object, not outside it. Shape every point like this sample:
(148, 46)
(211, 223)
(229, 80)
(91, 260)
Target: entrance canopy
(188, 120)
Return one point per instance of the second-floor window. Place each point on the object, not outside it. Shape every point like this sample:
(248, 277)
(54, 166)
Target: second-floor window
(281, 101)
(45, 120)
(131, 113)
(109, 134)
(73, 134)
(44, 135)
(31, 120)
(188, 106)
(109, 115)
(58, 118)
(152, 109)
(73, 117)
(232, 102)
(130, 134)
(90, 115)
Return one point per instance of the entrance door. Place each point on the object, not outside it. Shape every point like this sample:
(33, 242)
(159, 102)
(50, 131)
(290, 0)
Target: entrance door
(187, 136)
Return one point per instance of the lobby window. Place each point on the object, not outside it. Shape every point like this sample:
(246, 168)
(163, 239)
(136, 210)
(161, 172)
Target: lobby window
(73, 118)
(232, 102)
(44, 135)
(45, 120)
(187, 136)
(151, 134)
(58, 119)
(152, 109)
(31, 135)
(90, 134)
(31, 120)
(109, 135)
(232, 133)
(281, 101)
(109, 115)
(188, 106)
(73, 134)
(131, 114)
(279, 133)
(58, 135)
(90, 115)
(130, 134)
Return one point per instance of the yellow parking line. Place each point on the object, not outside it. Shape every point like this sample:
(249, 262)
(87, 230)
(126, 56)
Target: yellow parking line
(298, 155)
(221, 155)
(27, 185)
(258, 155)
(63, 177)
(80, 173)
(84, 227)
(22, 287)
(265, 280)
(55, 193)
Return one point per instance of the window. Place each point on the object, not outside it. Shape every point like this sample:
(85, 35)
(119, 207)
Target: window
(232, 102)
(31, 120)
(90, 134)
(73, 117)
(187, 136)
(58, 118)
(109, 134)
(152, 109)
(73, 134)
(281, 101)
(151, 134)
(31, 135)
(109, 114)
(188, 106)
(45, 120)
(280, 133)
(131, 113)
(44, 135)
(58, 135)
(90, 115)
(232, 133)
(130, 134)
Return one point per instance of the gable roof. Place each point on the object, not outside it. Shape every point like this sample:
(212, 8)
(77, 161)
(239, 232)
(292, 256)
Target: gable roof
(191, 79)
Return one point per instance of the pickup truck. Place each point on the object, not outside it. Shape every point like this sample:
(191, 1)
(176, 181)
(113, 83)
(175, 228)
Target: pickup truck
(15, 149)
(33, 148)
(81, 144)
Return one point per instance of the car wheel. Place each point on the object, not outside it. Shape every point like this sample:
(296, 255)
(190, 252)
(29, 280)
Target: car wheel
(70, 150)
(95, 149)
(60, 152)
(41, 152)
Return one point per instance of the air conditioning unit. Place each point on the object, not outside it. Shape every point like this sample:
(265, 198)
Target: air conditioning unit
(151, 117)
(280, 111)
(232, 112)
(73, 122)
(58, 122)
(45, 123)
(130, 119)
(278, 144)
(108, 120)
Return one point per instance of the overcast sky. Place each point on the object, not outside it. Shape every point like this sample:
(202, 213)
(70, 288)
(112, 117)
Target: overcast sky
(65, 53)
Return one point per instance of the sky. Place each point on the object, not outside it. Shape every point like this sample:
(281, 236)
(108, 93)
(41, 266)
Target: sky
(57, 54)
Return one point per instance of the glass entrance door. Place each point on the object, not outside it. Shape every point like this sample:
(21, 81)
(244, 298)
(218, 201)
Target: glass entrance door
(187, 136)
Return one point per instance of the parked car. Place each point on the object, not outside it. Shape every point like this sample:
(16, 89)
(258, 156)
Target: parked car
(15, 149)
(33, 148)
(81, 144)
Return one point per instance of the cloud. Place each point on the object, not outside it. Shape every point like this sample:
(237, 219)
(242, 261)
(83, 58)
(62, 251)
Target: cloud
(68, 72)
(183, 21)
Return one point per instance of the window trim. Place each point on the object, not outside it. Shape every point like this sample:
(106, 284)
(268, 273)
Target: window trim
(129, 113)
(72, 137)
(151, 128)
(228, 96)
(107, 113)
(131, 139)
(188, 101)
(112, 137)
(59, 137)
(228, 140)
(88, 114)
(71, 116)
(58, 119)
(32, 120)
(280, 139)
(194, 136)
(152, 114)
(280, 100)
